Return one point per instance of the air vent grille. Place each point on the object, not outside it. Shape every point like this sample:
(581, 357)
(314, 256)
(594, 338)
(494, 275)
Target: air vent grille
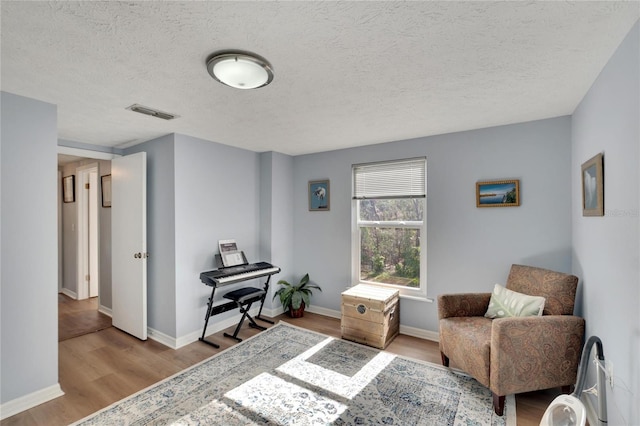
(152, 112)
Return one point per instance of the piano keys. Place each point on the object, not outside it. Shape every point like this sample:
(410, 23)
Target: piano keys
(231, 275)
(238, 273)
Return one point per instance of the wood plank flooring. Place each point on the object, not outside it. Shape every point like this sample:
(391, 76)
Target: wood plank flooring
(78, 317)
(101, 368)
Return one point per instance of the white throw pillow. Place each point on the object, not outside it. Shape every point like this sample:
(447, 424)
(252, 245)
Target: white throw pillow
(507, 303)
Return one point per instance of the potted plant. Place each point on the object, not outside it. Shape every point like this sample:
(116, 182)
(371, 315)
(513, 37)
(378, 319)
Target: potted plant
(295, 297)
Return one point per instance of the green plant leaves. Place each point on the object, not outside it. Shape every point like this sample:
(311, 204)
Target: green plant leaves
(296, 300)
(292, 296)
(304, 281)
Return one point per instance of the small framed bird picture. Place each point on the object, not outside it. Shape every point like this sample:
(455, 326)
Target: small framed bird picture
(319, 195)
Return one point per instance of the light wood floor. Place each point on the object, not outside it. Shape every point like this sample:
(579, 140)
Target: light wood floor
(100, 368)
(78, 317)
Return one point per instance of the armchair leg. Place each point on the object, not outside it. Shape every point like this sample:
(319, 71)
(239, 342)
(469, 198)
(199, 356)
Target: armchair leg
(445, 359)
(498, 404)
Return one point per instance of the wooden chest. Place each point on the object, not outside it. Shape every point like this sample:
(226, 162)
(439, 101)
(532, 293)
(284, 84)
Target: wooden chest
(370, 315)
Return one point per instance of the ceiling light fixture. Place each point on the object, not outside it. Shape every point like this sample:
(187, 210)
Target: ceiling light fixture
(241, 70)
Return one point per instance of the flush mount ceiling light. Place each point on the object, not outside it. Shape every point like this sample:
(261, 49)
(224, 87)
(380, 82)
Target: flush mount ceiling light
(241, 70)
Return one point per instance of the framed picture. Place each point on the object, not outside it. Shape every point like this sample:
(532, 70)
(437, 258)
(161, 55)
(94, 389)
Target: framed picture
(319, 195)
(106, 191)
(498, 193)
(69, 189)
(593, 187)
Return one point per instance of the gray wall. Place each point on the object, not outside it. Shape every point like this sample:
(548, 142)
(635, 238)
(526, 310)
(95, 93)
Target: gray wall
(29, 247)
(266, 202)
(276, 218)
(69, 237)
(200, 192)
(606, 249)
(283, 237)
(468, 248)
(216, 198)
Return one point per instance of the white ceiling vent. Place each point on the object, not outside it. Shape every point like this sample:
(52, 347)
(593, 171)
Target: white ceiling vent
(152, 112)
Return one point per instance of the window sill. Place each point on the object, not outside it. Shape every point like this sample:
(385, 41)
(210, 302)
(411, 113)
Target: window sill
(414, 296)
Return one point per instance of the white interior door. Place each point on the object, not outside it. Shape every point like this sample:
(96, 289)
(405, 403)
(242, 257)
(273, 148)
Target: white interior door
(129, 243)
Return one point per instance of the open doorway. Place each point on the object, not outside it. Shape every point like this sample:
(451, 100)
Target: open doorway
(84, 300)
(79, 317)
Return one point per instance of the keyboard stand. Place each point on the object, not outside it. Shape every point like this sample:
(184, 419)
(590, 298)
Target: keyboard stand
(218, 309)
(259, 316)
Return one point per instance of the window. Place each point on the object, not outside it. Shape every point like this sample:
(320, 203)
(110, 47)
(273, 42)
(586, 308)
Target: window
(389, 226)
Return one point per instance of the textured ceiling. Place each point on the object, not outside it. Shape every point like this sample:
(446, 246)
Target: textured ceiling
(346, 73)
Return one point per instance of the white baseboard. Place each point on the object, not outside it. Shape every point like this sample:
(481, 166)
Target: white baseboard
(74, 295)
(420, 333)
(71, 294)
(324, 311)
(409, 331)
(107, 311)
(25, 402)
(215, 326)
(161, 337)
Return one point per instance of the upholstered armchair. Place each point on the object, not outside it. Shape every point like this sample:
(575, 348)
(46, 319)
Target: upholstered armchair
(515, 354)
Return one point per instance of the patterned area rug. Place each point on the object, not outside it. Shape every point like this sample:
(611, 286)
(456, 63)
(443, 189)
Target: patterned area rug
(291, 376)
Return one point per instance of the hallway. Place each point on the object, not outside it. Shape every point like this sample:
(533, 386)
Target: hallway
(79, 317)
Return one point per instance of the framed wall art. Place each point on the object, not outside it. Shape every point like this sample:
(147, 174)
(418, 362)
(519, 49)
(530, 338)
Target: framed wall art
(593, 186)
(498, 193)
(69, 189)
(319, 197)
(106, 190)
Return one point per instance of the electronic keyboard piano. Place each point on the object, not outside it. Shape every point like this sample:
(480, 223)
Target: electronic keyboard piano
(238, 273)
(231, 275)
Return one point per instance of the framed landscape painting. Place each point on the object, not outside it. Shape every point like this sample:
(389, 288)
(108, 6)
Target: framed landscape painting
(319, 195)
(498, 193)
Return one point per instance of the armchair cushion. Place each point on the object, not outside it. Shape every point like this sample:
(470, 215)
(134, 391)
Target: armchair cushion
(508, 303)
(534, 353)
(467, 341)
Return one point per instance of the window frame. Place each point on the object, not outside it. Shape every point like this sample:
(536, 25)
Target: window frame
(419, 293)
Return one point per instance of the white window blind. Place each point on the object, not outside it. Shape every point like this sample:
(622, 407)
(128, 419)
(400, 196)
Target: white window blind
(390, 179)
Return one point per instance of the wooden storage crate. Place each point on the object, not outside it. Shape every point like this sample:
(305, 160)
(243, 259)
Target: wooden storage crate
(370, 315)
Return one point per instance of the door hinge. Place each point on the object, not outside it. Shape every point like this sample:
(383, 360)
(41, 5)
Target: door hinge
(87, 278)
(86, 186)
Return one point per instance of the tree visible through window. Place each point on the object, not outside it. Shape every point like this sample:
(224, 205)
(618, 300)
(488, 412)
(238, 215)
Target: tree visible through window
(390, 205)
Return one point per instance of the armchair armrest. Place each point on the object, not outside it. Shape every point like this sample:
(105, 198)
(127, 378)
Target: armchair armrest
(532, 353)
(463, 305)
